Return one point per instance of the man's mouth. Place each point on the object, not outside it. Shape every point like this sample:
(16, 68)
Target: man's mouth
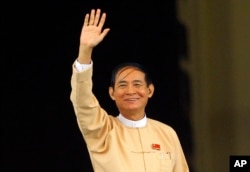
(131, 99)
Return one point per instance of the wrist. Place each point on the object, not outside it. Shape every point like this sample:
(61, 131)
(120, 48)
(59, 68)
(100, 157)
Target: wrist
(84, 56)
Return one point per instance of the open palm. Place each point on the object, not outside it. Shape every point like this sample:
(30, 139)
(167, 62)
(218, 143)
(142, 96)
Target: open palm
(92, 33)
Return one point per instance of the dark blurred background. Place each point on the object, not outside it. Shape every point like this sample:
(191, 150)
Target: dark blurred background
(40, 43)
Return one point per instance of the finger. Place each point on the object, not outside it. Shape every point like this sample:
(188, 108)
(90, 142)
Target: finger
(102, 21)
(97, 17)
(92, 17)
(86, 20)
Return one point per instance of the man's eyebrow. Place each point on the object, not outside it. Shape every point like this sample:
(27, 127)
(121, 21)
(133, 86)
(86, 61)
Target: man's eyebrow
(134, 81)
(137, 80)
(122, 81)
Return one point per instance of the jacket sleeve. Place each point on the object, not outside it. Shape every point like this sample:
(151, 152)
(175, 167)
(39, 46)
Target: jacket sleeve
(93, 121)
(181, 163)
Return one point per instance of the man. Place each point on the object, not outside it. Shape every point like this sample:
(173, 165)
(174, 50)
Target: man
(130, 142)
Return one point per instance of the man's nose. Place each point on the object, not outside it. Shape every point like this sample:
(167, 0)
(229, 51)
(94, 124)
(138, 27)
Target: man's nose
(131, 89)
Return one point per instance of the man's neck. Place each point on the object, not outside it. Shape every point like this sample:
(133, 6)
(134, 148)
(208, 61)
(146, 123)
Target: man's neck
(133, 123)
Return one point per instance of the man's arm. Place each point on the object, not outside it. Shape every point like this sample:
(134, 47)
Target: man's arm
(92, 119)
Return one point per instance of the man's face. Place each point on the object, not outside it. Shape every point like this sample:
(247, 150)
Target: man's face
(130, 91)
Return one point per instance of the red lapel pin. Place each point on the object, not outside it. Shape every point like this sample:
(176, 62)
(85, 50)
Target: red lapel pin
(156, 146)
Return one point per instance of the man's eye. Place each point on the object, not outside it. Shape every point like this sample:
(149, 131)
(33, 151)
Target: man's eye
(122, 85)
(137, 84)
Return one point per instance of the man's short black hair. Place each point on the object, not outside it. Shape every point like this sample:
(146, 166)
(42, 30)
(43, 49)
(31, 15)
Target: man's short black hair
(127, 65)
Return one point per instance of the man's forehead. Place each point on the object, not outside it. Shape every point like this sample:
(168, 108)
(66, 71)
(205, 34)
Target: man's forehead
(125, 72)
(125, 68)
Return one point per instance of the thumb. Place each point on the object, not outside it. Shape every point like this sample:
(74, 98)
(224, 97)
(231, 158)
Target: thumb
(104, 32)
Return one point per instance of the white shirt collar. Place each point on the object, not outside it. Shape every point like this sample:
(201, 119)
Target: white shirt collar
(133, 124)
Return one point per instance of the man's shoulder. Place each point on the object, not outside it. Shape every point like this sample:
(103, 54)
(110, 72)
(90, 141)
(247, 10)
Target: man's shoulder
(159, 124)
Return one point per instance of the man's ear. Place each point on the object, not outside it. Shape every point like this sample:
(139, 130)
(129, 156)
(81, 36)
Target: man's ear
(111, 93)
(151, 89)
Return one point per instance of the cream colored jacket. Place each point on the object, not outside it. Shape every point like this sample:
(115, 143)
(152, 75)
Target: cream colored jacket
(115, 147)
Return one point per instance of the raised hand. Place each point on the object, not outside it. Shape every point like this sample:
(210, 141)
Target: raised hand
(92, 33)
